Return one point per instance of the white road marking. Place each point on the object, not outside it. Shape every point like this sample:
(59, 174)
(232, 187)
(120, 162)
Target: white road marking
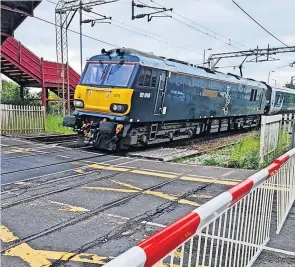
(227, 174)
(144, 222)
(127, 162)
(103, 162)
(66, 157)
(291, 253)
(68, 206)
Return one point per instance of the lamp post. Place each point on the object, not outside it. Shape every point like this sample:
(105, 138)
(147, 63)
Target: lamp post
(205, 56)
(269, 75)
(275, 81)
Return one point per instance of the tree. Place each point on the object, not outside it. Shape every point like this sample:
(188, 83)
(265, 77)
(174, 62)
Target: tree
(11, 94)
(289, 85)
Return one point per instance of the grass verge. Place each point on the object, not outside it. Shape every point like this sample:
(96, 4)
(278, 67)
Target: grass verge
(243, 155)
(54, 125)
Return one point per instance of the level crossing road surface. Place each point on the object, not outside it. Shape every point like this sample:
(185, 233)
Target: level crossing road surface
(72, 207)
(280, 250)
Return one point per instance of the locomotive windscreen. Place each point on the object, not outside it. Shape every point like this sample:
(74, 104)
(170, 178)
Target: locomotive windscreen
(107, 74)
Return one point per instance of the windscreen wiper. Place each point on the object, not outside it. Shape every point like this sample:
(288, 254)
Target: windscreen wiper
(118, 65)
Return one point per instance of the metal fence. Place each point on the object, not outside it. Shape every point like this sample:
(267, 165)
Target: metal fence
(269, 134)
(285, 184)
(229, 230)
(16, 119)
(287, 126)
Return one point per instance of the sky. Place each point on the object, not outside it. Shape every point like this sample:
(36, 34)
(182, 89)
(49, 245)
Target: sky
(173, 38)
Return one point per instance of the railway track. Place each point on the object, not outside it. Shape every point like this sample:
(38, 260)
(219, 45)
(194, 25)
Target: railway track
(53, 164)
(200, 144)
(53, 138)
(35, 186)
(88, 214)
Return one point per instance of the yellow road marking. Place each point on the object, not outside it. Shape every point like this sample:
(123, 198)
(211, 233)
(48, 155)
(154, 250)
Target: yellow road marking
(78, 163)
(135, 189)
(79, 171)
(83, 257)
(7, 235)
(17, 150)
(159, 264)
(21, 150)
(154, 173)
(127, 185)
(169, 197)
(29, 255)
(19, 182)
(207, 180)
(110, 189)
(74, 209)
(109, 168)
(40, 258)
(167, 175)
(23, 251)
(201, 196)
(177, 254)
(68, 207)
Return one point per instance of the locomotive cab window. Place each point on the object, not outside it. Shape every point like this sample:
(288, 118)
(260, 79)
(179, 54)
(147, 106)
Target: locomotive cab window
(147, 78)
(253, 95)
(94, 74)
(119, 75)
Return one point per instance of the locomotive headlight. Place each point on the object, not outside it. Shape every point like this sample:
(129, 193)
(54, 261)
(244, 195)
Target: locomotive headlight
(118, 108)
(78, 103)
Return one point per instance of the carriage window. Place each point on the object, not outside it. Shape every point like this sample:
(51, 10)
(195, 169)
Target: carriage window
(253, 95)
(148, 78)
(154, 78)
(141, 78)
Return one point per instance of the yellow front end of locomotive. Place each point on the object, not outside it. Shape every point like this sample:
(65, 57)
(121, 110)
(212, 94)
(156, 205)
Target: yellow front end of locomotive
(115, 101)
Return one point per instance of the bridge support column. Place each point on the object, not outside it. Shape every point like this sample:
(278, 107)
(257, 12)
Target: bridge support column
(21, 93)
(44, 96)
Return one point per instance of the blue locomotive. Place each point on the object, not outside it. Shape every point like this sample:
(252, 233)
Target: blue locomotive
(129, 98)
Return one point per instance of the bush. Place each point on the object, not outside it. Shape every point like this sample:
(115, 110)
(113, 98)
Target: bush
(245, 154)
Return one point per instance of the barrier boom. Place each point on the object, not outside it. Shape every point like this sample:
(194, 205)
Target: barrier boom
(231, 228)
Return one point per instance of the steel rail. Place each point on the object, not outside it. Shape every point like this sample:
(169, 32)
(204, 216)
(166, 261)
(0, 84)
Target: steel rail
(88, 214)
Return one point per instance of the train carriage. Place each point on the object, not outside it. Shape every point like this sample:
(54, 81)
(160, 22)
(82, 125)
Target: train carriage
(282, 100)
(130, 98)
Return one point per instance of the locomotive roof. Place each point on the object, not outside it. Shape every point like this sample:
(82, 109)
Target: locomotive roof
(284, 89)
(153, 61)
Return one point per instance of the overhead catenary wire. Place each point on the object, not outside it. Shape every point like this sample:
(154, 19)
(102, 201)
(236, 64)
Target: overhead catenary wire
(158, 38)
(73, 31)
(259, 24)
(151, 33)
(193, 27)
(184, 23)
(116, 24)
(206, 28)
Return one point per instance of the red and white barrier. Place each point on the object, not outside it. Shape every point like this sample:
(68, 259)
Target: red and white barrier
(229, 230)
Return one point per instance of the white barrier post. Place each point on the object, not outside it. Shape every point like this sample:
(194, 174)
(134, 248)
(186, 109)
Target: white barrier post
(269, 135)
